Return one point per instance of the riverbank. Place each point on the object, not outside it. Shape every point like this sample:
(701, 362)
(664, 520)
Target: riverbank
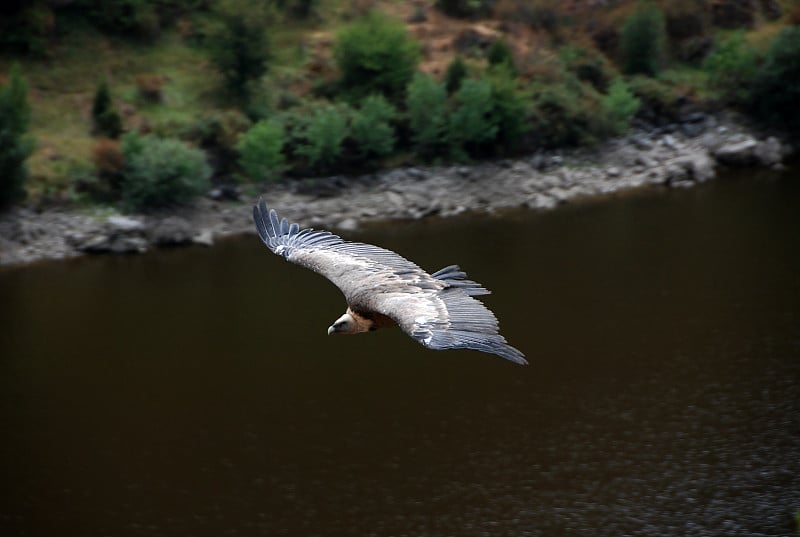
(679, 155)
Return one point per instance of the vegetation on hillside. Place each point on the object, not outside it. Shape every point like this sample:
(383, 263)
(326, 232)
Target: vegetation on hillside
(248, 90)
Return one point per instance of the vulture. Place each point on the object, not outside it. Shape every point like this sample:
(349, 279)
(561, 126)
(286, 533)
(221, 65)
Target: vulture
(384, 289)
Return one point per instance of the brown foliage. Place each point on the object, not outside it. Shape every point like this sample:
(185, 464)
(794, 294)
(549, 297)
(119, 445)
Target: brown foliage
(151, 87)
(107, 157)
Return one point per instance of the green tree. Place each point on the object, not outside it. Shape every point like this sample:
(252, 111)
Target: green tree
(160, 172)
(499, 53)
(642, 40)
(565, 113)
(15, 143)
(472, 126)
(509, 108)
(371, 127)
(619, 106)
(776, 88)
(375, 54)
(427, 114)
(323, 136)
(238, 43)
(261, 151)
(455, 74)
(732, 67)
(106, 120)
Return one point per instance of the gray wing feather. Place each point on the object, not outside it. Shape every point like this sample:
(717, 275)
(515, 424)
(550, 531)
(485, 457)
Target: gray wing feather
(435, 309)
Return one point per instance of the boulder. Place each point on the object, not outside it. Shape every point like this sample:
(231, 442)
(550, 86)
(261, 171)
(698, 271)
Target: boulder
(737, 153)
(348, 224)
(698, 167)
(204, 238)
(119, 224)
(768, 152)
(171, 231)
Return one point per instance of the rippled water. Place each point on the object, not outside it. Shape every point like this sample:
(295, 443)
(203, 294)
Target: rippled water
(194, 392)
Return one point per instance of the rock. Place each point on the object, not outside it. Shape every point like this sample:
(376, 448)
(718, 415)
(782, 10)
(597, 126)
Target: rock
(769, 152)
(642, 143)
(669, 142)
(692, 130)
(204, 238)
(91, 243)
(541, 201)
(613, 172)
(737, 153)
(646, 161)
(124, 225)
(693, 117)
(560, 194)
(128, 245)
(521, 168)
(225, 192)
(416, 173)
(348, 224)
(697, 167)
(171, 231)
(712, 141)
(675, 172)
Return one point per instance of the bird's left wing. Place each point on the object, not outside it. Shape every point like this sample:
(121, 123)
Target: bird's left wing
(353, 267)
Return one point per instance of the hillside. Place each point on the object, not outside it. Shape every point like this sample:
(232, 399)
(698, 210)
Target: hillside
(165, 82)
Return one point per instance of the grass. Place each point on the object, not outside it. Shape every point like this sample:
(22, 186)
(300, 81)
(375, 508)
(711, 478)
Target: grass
(62, 88)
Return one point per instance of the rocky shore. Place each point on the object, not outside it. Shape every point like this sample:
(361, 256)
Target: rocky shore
(675, 156)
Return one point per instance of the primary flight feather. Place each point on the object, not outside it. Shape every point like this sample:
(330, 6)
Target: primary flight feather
(383, 289)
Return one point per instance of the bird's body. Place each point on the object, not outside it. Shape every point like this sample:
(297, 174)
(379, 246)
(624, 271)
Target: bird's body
(384, 289)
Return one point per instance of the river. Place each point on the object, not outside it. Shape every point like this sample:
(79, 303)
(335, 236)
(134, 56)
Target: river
(195, 392)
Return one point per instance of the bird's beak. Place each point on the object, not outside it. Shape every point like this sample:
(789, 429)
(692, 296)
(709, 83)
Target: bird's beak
(331, 330)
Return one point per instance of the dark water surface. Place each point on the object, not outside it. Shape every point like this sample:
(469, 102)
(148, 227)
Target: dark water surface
(194, 392)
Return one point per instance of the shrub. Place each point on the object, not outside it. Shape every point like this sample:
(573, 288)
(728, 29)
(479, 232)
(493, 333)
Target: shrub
(588, 64)
(466, 8)
(499, 53)
(15, 144)
(538, 14)
(135, 17)
(238, 43)
(161, 172)
(323, 135)
(657, 99)
(150, 87)
(731, 68)
(776, 88)
(375, 54)
(619, 106)
(472, 126)
(105, 182)
(455, 74)
(565, 113)
(105, 118)
(642, 39)
(261, 151)
(509, 108)
(372, 128)
(26, 28)
(687, 18)
(427, 115)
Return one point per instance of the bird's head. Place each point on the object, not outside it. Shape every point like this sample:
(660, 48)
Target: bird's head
(345, 324)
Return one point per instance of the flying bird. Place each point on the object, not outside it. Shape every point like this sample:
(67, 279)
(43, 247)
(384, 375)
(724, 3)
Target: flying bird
(383, 289)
